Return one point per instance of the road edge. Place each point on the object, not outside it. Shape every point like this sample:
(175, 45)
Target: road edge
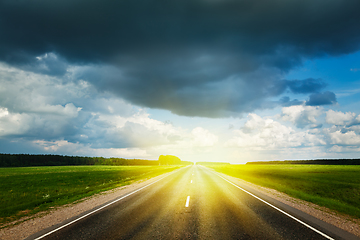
(50, 220)
(303, 216)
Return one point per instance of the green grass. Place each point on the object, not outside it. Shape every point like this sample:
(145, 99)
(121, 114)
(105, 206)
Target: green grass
(28, 190)
(334, 187)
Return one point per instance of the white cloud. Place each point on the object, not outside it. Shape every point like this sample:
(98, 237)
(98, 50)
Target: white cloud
(144, 119)
(339, 118)
(3, 112)
(38, 126)
(340, 151)
(355, 128)
(358, 118)
(266, 134)
(336, 148)
(15, 124)
(68, 110)
(35, 105)
(27, 92)
(255, 122)
(39, 106)
(203, 138)
(137, 129)
(68, 148)
(301, 116)
(347, 138)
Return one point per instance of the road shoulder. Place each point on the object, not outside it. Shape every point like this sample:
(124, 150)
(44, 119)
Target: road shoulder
(342, 221)
(26, 227)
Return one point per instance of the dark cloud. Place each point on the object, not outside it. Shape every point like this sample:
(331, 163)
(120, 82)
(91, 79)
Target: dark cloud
(100, 30)
(49, 64)
(188, 93)
(309, 85)
(314, 126)
(193, 57)
(318, 99)
(286, 102)
(19, 145)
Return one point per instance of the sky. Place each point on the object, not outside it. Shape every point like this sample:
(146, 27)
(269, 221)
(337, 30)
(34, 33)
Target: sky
(204, 80)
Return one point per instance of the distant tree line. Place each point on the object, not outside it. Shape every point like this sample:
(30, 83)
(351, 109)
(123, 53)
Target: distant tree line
(315, 162)
(169, 160)
(29, 160)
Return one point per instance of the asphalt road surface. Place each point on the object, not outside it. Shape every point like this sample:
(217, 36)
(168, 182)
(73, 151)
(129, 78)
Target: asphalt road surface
(194, 203)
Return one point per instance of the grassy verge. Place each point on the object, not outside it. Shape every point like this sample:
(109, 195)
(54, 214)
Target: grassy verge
(28, 190)
(334, 187)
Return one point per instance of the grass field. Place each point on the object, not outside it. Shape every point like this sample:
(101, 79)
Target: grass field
(334, 187)
(25, 191)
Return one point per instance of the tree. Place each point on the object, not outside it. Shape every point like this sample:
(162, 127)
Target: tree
(169, 160)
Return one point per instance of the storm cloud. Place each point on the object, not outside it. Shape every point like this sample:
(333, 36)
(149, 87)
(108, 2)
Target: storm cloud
(207, 58)
(309, 85)
(318, 99)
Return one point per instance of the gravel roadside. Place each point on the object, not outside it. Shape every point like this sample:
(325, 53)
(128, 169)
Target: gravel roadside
(342, 221)
(26, 227)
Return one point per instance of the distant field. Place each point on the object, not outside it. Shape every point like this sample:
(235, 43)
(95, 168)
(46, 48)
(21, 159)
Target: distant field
(334, 187)
(27, 190)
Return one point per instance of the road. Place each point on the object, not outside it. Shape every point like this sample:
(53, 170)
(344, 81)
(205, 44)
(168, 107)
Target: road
(193, 203)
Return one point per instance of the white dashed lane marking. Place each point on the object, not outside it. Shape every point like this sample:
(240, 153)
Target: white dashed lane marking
(187, 201)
